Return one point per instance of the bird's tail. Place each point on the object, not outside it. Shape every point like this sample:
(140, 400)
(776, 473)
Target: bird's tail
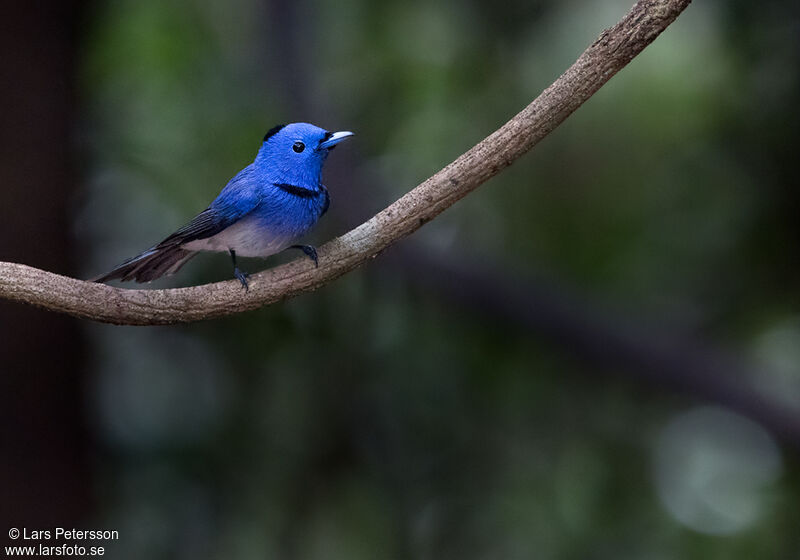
(158, 261)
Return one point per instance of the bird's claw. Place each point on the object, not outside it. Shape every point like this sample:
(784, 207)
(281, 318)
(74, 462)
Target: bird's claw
(310, 251)
(242, 277)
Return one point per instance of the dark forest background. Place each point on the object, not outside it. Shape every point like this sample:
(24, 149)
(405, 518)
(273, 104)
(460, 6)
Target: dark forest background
(596, 355)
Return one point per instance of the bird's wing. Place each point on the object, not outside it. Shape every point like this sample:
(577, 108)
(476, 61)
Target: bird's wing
(238, 198)
(207, 223)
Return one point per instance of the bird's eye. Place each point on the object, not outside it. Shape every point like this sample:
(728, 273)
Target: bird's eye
(298, 147)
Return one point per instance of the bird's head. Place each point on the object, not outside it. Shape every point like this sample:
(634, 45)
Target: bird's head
(294, 153)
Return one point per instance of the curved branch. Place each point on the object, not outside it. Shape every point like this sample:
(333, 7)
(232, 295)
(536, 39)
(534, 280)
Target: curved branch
(611, 52)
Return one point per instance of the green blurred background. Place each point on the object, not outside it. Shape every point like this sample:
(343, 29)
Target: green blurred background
(595, 355)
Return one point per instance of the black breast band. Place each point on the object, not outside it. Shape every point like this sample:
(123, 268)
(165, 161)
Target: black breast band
(297, 191)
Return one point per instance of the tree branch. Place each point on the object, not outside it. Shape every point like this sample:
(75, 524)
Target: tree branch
(611, 52)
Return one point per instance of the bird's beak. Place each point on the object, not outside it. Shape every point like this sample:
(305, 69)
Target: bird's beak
(335, 138)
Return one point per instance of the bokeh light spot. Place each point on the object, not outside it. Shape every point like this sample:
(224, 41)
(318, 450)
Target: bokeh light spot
(711, 469)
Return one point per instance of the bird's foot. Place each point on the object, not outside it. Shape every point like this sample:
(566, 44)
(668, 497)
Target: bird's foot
(242, 277)
(310, 251)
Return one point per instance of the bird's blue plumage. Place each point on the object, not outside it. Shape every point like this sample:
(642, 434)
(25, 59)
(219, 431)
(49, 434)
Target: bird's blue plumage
(265, 208)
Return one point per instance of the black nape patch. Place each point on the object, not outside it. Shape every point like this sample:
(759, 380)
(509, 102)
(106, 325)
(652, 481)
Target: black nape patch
(273, 131)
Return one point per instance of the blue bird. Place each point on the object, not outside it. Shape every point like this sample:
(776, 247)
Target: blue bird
(261, 211)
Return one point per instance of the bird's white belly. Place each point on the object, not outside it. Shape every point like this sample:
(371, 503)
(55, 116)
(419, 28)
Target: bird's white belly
(246, 238)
